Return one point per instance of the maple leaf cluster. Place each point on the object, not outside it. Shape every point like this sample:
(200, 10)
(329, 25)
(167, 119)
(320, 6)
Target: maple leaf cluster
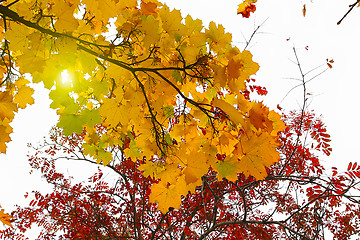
(161, 88)
(17, 95)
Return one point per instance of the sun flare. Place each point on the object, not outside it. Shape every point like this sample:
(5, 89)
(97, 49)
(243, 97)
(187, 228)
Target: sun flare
(65, 76)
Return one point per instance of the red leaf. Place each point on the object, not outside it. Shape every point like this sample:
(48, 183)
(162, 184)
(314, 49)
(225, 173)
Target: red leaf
(349, 166)
(354, 166)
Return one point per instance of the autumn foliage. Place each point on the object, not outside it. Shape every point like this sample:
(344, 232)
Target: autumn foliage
(163, 103)
(177, 82)
(296, 200)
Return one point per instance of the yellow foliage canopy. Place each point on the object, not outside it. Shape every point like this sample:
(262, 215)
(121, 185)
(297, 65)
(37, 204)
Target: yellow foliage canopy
(166, 90)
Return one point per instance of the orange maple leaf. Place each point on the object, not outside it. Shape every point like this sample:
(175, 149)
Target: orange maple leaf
(246, 8)
(149, 7)
(233, 68)
(5, 218)
(258, 116)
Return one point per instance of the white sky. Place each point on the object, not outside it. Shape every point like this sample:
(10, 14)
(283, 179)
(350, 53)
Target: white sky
(335, 93)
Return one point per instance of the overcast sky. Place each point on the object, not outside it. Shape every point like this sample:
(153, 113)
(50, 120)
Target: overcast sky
(334, 93)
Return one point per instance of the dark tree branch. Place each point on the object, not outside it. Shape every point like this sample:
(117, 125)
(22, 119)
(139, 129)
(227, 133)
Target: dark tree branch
(351, 7)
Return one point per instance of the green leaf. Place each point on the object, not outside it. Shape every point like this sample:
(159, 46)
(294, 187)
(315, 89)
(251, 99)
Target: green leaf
(168, 139)
(177, 37)
(61, 98)
(71, 123)
(133, 151)
(104, 156)
(89, 149)
(169, 111)
(228, 168)
(177, 76)
(91, 117)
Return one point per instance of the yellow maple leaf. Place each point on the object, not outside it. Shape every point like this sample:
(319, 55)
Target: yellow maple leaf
(36, 42)
(23, 9)
(24, 96)
(64, 12)
(243, 104)
(240, 66)
(150, 27)
(29, 61)
(152, 169)
(190, 53)
(219, 39)
(104, 156)
(194, 26)
(5, 130)
(225, 143)
(172, 171)
(196, 167)
(220, 76)
(112, 112)
(17, 35)
(168, 194)
(258, 116)
(186, 129)
(171, 22)
(249, 66)
(277, 124)
(105, 9)
(259, 151)
(145, 139)
(7, 106)
(230, 110)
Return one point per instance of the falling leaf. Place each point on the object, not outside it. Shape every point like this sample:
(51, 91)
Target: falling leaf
(304, 10)
(246, 7)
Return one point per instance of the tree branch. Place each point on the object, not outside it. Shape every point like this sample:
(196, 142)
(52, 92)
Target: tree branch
(350, 9)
